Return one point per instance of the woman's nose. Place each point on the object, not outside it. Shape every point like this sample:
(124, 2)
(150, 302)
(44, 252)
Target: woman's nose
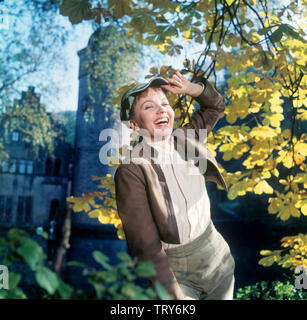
(161, 108)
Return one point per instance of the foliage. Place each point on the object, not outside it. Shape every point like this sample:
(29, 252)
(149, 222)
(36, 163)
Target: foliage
(123, 281)
(67, 122)
(105, 211)
(29, 50)
(111, 61)
(259, 47)
(293, 254)
(19, 248)
(30, 118)
(266, 290)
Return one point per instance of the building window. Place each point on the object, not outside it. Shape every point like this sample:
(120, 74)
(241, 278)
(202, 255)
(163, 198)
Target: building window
(48, 170)
(15, 136)
(5, 166)
(29, 167)
(12, 165)
(57, 167)
(24, 209)
(5, 208)
(22, 166)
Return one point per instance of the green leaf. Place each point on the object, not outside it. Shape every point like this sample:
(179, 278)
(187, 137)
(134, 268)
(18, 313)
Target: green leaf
(120, 7)
(47, 279)
(162, 293)
(76, 264)
(145, 269)
(264, 30)
(150, 293)
(76, 10)
(101, 259)
(130, 290)
(32, 253)
(64, 290)
(125, 257)
(113, 288)
(290, 32)
(126, 272)
(14, 279)
(100, 290)
(14, 234)
(276, 35)
(111, 275)
(15, 293)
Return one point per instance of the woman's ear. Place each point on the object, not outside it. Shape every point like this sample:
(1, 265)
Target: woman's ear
(133, 125)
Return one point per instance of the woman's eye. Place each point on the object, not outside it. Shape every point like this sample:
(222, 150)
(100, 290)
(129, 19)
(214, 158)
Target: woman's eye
(147, 107)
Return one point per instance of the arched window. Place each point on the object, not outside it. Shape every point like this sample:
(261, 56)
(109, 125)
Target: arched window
(57, 167)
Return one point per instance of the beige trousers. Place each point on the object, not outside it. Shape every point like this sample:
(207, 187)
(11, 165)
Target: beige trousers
(204, 268)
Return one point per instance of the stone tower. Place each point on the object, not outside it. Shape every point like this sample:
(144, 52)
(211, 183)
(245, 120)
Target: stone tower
(97, 81)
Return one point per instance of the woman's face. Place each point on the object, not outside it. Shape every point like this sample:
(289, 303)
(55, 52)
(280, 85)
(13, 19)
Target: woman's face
(153, 113)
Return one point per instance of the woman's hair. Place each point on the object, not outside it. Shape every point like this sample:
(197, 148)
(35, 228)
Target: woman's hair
(143, 94)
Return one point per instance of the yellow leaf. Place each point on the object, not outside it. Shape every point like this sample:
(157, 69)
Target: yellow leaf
(267, 261)
(284, 214)
(286, 158)
(263, 187)
(275, 205)
(304, 208)
(104, 217)
(237, 189)
(94, 214)
(266, 252)
(301, 147)
(187, 35)
(294, 211)
(298, 158)
(79, 204)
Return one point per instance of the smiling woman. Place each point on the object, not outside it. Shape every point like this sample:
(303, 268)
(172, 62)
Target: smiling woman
(152, 112)
(164, 205)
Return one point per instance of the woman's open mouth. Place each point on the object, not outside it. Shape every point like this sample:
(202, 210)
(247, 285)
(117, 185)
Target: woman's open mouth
(163, 122)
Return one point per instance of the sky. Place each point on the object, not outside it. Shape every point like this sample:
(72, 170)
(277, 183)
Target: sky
(68, 98)
(66, 74)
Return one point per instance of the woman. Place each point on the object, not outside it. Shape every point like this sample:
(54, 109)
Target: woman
(161, 193)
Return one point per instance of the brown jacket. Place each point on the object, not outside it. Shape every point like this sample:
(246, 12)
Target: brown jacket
(143, 199)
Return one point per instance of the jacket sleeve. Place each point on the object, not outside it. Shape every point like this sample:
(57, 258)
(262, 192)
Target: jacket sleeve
(212, 106)
(141, 233)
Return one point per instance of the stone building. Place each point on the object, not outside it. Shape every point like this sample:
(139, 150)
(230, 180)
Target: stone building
(33, 188)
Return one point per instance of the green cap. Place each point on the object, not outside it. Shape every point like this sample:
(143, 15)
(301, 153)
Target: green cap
(129, 96)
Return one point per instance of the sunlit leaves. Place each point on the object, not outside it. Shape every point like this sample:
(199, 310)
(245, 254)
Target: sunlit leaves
(293, 254)
(285, 205)
(104, 208)
(262, 187)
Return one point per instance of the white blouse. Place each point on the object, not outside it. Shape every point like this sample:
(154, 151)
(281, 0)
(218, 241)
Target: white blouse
(187, 190)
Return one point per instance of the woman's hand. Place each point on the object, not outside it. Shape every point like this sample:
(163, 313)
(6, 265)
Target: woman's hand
(178, 84)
